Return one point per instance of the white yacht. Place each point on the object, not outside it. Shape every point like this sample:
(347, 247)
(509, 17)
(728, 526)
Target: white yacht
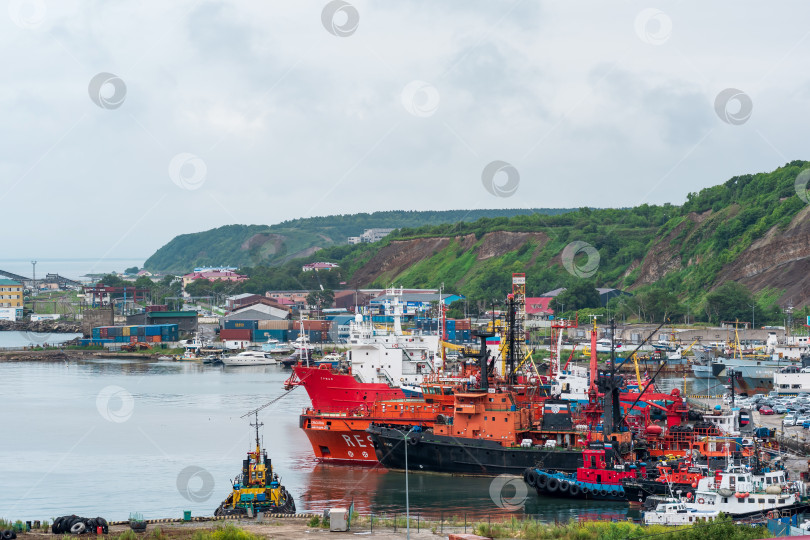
(249, 358)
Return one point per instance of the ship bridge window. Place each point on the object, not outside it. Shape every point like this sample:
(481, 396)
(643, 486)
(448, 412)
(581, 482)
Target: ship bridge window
(771, 501)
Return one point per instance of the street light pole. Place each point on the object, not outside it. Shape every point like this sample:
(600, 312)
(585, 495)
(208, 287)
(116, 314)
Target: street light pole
(407, 500)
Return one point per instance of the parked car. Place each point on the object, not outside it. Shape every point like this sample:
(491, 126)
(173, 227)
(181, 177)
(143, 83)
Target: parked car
(780, 409)
(765, 410)
(802, 419)
(806, 424)
(790, 420)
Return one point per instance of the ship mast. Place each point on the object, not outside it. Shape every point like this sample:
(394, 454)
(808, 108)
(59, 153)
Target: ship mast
(257, 425)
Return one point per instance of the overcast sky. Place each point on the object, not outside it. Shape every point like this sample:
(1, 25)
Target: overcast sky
(214, 113)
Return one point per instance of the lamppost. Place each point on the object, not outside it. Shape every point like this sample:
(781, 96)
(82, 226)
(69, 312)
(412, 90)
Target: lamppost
(407, 500)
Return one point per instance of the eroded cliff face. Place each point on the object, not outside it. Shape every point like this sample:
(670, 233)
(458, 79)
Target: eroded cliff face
(778, 260)
(663, 257)
(400, 255)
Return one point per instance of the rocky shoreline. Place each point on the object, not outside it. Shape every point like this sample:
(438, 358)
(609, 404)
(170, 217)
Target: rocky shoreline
(42, 327)
(60, 355)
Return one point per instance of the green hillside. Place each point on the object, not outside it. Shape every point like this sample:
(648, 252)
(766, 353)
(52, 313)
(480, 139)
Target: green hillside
(677, 260)
(250, 245)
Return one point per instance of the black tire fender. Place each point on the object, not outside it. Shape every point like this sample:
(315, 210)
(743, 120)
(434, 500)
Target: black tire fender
(565, 485)
(552, 485)
(574, 490)
(541, 480)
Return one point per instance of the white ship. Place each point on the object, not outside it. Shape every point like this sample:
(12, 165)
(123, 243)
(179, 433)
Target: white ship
(738, 493)
(249, 358)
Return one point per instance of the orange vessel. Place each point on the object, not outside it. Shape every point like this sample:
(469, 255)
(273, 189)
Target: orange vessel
(342, 437)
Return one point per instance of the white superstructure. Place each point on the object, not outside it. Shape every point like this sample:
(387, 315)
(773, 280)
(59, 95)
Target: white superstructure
(379, 356)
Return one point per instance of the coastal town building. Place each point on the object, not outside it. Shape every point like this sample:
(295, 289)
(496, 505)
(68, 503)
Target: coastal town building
(370, 235)
(288, 297)
(11, 300)
(264, 309)
(537, 308)
(318, 266)
(186, 321)
(213, 275)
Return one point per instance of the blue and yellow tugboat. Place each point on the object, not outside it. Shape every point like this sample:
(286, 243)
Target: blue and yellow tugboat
(257, 488)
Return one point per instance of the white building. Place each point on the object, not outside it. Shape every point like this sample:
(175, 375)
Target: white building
(370, 236)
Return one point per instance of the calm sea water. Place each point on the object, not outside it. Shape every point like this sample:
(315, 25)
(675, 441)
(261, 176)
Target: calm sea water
(109, 437)
(33, 339)
(69, 268)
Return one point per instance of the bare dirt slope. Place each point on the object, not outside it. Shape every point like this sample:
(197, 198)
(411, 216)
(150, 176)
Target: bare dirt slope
(398, 256)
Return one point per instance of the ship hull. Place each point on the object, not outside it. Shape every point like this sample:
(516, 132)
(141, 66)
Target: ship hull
(340, 442)
(442, 453)
(331, 391)
(636, 490)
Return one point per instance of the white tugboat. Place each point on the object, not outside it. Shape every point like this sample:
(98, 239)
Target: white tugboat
(675, 512)
(738, 493)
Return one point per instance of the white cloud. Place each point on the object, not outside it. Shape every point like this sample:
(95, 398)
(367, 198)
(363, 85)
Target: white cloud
(283, 112)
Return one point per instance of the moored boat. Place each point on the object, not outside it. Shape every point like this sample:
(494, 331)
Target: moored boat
(249, 358)
(599, 476)
(257, 488)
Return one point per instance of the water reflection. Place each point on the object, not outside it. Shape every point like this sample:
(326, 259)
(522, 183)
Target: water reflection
(187, 413)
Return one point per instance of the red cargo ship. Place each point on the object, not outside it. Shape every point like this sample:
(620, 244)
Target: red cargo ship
(331, 390)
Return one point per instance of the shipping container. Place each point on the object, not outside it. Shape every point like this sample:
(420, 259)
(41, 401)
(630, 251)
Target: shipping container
(315, 325)
(125, 331)
(274, 325)
(234, 324)
(152, 330)
(157, 307)
(235, 334)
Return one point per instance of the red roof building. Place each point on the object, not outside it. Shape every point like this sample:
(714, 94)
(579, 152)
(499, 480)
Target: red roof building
(537, 307)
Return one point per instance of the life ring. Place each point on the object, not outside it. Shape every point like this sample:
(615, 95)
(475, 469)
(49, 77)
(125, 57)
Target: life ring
(552, 485)
(395, 345)
(701, 500)
(772, 515)
(573, 490)
(601, 464)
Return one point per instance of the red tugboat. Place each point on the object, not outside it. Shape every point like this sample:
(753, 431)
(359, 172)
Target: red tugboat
(600, 476)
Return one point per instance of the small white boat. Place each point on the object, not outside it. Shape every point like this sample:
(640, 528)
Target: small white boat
(675, 512)
(274, 346)
(249, 358)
